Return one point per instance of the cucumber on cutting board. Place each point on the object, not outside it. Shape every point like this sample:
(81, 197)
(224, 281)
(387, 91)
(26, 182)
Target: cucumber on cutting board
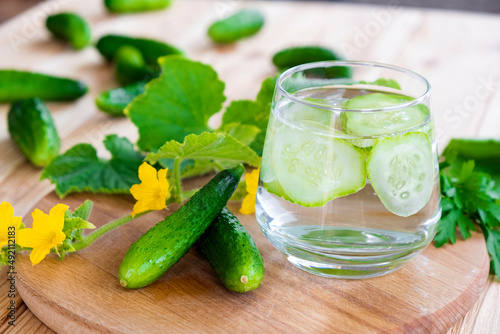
(232, 253)
(166, 243)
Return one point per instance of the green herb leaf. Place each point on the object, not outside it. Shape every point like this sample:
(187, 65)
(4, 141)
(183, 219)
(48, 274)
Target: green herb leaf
(391, 83)
(79, 169)
(209, 146)
(176, 104)
(446, 231)
(493, 246)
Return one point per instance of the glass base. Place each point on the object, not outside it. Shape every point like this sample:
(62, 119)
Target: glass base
(344, 262)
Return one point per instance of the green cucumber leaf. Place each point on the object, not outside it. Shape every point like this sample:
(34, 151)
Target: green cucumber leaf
(255, 113)
(242, 132)
(210, 146)
(177, 103)
(80, 169)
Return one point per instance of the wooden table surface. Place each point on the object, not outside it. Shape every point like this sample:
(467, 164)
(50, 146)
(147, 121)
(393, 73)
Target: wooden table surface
(459, 53)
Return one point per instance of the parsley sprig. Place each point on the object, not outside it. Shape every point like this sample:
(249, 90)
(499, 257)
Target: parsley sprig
(470, 195)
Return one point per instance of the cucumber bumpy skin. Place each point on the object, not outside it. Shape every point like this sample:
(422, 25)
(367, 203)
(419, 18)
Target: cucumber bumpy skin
(70, 27)
(130, 66)
(232, 253)
(31, 127)
(19, 85)
(165, 244)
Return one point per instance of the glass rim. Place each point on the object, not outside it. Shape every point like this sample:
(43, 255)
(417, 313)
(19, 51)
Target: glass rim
(416, 101)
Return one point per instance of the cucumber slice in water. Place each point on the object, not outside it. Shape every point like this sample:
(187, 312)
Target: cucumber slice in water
(401, 171)
(368, 124)
(313, 169)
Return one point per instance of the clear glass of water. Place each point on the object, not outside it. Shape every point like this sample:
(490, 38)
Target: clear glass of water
(349, 182)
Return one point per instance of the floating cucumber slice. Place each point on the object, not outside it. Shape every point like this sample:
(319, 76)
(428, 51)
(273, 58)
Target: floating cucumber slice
(401, 170)
(381, 122)
(313, 169)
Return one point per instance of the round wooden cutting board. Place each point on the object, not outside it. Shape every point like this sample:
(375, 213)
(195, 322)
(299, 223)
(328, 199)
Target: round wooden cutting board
(81, 294)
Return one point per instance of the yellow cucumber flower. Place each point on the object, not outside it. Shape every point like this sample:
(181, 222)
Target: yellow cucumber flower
(153, 192)
(252, 182)
(7, 220)
(47, 232)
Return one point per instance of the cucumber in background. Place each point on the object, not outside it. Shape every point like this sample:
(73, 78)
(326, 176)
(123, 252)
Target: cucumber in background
(151, 50)
(127, 6)
(165, 244)
(71, 28)
(294, 56)
(130, 66)
(114, 101)
(245, 23)
(18, 85)
(32, 129)
(232, 253)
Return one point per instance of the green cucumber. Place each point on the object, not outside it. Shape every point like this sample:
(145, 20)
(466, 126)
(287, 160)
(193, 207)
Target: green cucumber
(130, 66)
(114, 101)
(19, 85)
(166, 243)
(245, 23)
(313, 169)
(70, 27)
(294, 56)
(31, 127)
(401, 171)
(151, 50)
(232, 253)
(390, 83)
(372, 124)
(129, 6)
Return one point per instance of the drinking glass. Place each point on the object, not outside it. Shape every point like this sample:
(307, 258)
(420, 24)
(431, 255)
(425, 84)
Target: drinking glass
(349, 183)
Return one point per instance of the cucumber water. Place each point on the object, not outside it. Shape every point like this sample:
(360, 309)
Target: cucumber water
(344, 166)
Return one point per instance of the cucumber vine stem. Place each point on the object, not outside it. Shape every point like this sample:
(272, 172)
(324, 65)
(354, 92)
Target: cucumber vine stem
(177, 180)
(90, 238)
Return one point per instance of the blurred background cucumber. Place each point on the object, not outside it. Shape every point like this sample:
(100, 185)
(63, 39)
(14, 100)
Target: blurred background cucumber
(17, 85)
(70, 27)
(245, 23)
(32, 129)
(127, 6)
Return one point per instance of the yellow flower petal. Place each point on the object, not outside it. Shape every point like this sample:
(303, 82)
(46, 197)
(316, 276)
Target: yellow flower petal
(7, 220)
(252, 182)
(45, 234)
(248, 204)
(153, 192)
(38, 254)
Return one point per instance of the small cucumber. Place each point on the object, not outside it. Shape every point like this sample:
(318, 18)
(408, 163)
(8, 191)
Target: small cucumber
(19, 85)
(294, 56)
(166, 243)
(31, 127)
(232, 253)
(245, 23)
(115, 100)
(70, 27)
(151, 50)
(130, 66)
(128, 6)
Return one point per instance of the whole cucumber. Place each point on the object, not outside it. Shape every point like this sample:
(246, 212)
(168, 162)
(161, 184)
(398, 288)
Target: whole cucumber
(130, 66)
(151, 50)
(31, 127)
(166, 243)
(70, 27)
(19, 85)
(232, 253)
(127, 6)
(244, 23)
